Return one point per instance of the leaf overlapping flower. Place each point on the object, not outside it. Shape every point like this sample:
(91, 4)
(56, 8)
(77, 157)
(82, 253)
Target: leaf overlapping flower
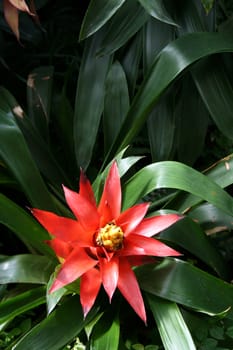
(102, 244)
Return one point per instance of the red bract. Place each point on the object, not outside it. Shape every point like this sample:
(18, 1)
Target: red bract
(103, 243)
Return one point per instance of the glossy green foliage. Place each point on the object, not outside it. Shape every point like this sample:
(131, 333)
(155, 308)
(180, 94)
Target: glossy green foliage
(145, 83)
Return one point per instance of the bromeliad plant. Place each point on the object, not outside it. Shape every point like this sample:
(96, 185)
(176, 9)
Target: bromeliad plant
(85, 104)
(102, 243)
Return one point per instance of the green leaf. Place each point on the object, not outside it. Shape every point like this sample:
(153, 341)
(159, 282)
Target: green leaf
(126, 22)
(219, 172)
(188, 234)
(60, 327)
(105, 334)
(171, 325)
(97, 14)
(185, 284)
(21, 303)
(39, 149)
(216, 91)
(29, 231)
(169, 64)
(157, 10)
(89, 100)
(116, 103)
(169, 174)
(15, 153)
(192, 119)
(25, 268)
(39, 98)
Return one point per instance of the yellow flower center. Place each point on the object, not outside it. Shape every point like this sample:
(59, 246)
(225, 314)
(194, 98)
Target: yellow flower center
(110, 237)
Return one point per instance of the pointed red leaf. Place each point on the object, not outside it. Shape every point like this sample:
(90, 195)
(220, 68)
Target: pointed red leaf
(153, 225)
(66, 229)
(89, 289)
(151, 246)
(61, 248)
(109, 273)
(85, 188)
(83, 209)
(129, 288)
(110, 203)
(131, 218)
(77, 263)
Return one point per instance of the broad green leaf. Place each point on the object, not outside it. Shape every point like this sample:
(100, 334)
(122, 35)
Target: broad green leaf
(188, 235)
(169, 174)
(39, 98)
(157, 10)
(105, 334)
(171, 325)
(16, 155)
(169, 64)
(59, 328)
(185, 284)
(89, 100)
(126, 22)
(21, 303)
(116, 103)
(97, 14)
(219, 172)
(216, 91)
(25, 268)
(29, 231)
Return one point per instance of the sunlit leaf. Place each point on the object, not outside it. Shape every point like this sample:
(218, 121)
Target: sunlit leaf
(25, 268)
(185, 284)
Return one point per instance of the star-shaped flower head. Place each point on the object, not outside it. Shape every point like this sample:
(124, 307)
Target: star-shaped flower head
(102, 243)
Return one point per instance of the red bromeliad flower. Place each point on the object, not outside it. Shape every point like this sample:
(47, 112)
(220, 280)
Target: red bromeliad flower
(103, 243)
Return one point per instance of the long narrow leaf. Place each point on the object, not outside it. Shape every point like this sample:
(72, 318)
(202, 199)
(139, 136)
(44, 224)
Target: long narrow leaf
(185, 284)
(173, 60)
(173, 330)
(16, 155)
(28, 230)
(60, 327)
(89, 100)
(25, 268)
(157, 10)
(97, 14)
(175, 175)
(21, 303)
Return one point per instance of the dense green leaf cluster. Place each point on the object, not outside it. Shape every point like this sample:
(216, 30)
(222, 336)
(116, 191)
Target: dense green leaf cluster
(150, 84)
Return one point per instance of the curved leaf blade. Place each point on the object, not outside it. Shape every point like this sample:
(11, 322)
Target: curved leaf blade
(15, 153)
(173, 60)
(89, 100)
(185, 284)
(171, 325)
(97, 14)
(170, 174)
(25, 268)
(29, 231)
(21, 303)
(60, 327)
(157, 10)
